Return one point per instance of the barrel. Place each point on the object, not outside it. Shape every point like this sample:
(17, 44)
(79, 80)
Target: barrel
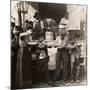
(49, 36)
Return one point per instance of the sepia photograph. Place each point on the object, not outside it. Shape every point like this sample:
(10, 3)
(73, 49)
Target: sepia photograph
(48, 44)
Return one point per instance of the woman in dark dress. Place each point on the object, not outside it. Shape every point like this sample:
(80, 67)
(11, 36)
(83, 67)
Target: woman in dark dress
(23, 74)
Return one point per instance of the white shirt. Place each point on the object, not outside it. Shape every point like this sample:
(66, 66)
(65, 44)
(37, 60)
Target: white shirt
(61, 43)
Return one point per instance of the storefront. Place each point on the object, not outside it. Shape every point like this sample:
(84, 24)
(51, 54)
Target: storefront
(52, 12)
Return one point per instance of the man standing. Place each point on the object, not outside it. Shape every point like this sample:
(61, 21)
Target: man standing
(50, 25)
(38, 26)
(63, 54)
(65, 21)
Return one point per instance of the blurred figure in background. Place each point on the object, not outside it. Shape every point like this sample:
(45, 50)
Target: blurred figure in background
(38, 26)
(51, 26)
(12, 28)
(14, 50)
(12, 56)
(65, 21)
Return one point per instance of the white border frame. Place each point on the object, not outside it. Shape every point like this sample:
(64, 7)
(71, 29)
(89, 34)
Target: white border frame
(5, 43)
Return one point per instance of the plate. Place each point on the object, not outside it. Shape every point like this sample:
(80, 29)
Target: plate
(32, 43)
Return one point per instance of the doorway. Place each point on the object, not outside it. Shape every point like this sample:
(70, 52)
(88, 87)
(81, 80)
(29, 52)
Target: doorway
(52, 10)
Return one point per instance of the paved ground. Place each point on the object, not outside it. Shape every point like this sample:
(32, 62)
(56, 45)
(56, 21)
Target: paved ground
(58, 84)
